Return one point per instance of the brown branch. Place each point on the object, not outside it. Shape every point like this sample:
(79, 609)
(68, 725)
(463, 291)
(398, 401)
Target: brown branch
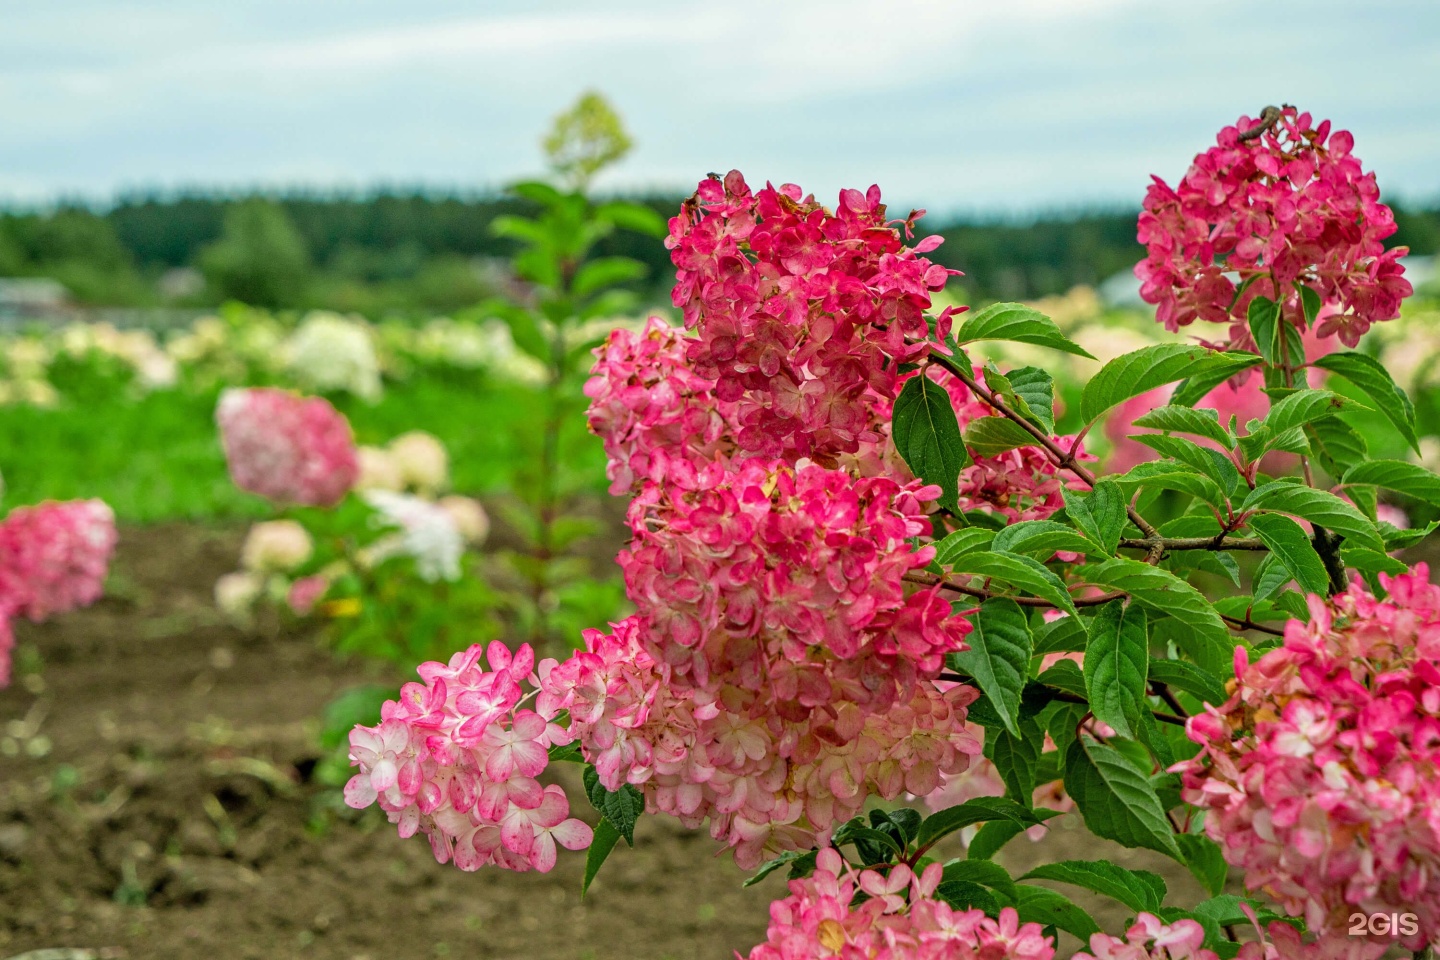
(1268, 118)
(930, 580)
(1065, 696)
(1237, 623)
(1195, 543)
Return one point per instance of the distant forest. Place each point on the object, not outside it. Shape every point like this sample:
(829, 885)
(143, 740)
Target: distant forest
(414, 253)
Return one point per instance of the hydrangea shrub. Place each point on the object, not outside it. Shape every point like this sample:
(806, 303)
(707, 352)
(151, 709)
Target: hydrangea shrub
(865, 569)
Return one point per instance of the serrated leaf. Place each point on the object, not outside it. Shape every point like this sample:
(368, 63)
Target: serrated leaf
(904, 822)
(966, 895)
(1117, 661)
(1270, 576)
(1320, 507)
(1064, 675)
(1307, 406)
(1162, 591)
(1177, 418)
(1061, 635)
(1310, 302)
(1100, 514)
(987, 873)
(566, 753)
(1001, 386)
(1199, 385)
(1265, 321)
(999, 656)
(1169, 475)
(1372, 379)
(960, 542)
(991, 837)
(1336, 445)
(1293, 550)
(621, 808)
(1211, 463)
(1369, 561)
(927, 436)
(1205, 860)
(1141, 371)
(1397, 539)
(1407, 478)
(992, 436)
(978, 810)
(1189, 678)
(1116, 800)
(1139, 890)
(1018, 571)
(1015, 756)
(1042, 537)
(1017, 323)
(1052, 909)
(770, 866)
(1037, 388)
(606, 836)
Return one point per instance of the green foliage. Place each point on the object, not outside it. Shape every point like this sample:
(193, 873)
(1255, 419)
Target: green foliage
(585, 139)
(928, 436)
(260, 258)
(998, 657)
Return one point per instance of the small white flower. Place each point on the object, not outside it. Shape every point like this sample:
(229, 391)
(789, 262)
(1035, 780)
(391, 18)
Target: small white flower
(428, 533)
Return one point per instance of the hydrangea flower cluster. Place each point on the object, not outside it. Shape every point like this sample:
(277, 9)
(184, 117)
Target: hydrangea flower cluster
(772, 768)
(802, 314)
(286, 447)
(901, 920)
(53, 558)
(1292, 206)
(1321, 774)
(427, 532)
(1151, 939)
(330, 352)
(457, 758)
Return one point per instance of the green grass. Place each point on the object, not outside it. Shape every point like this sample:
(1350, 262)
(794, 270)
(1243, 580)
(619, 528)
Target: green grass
(158, 457)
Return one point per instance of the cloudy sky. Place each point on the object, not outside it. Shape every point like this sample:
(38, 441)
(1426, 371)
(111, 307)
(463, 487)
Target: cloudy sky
(1000, 105)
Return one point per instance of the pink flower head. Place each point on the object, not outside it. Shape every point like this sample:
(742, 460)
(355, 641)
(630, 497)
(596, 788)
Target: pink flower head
(902, 920)
(1150, 939)
(304, 593)
(1263, 217)
(1321, 775)
(456, 758)
(286, 447)
(54, 557)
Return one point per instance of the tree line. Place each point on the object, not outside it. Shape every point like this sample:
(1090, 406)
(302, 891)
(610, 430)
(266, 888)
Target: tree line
(415, 252)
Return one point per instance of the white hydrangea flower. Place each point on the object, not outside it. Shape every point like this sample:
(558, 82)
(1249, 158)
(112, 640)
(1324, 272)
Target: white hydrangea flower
(329, 352)
(427, 532)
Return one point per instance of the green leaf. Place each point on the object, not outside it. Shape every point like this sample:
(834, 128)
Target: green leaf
(1205, 860)
(1137, 889)
(1017, 323)
(1199, 385)
(632, 216)
(1307, 406)
(1292, 549)
(1407, 478)
(1015, 757)
(1001, 386)
(606, 836)
(1397, 539)
(1167, 475)
(621, 808)
(1320, 507)
(960, 542)
(1052, 909)
(1018, 571)
(965, 895)
(770, 866)
(567, 753)
(1367, 374)
(927, 435)
(524, 328)
(903, 822)
(1117, 801)
(1309, 302)
(1176, 418)
(1336, 445)
(979, 810)
(537, 191)
(1162, 591)
(1265, 322)
(605, 272)
(1062, 635)
(1271, 575)
(991, 837)
(1143, 370)
(990, 436)
(1037, 389)
(1208, 461)
(1100, 514)
(1189, 678)
(999, 656)
(1368, 561)
(1116, 664)
(987, 873)
(1043, 537)
(1064, 675)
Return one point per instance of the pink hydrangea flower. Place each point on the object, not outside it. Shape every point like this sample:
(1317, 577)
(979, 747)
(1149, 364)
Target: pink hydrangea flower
(902, 920)
(1321, 774)
(457, 758)
(304, 593)
(288, 448)
(54, 557)
(1291, 207)
(1150, 939)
